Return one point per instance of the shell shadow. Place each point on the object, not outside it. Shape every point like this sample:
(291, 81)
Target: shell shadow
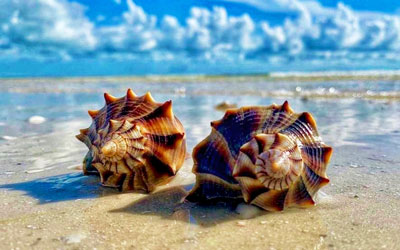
(61, 188)
(168, 204)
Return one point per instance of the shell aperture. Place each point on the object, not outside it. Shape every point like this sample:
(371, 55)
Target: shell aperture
(134, 143)
(269, 156)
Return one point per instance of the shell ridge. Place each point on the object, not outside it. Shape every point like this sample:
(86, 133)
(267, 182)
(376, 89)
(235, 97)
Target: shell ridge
(313, 181)
(240, 133)
(283, 118)
(217, 151)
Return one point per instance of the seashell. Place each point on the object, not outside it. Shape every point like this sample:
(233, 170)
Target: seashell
(267, 155)
(134, 142)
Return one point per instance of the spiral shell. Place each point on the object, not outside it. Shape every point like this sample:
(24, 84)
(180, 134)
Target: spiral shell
(267, 155)
(134, 142)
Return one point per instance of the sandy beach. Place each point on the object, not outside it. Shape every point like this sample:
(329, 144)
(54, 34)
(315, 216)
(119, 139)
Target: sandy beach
(48, 204)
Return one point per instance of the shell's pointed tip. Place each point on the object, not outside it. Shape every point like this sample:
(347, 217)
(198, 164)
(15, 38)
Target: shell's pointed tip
(93, 113)
(130, 94)
(79, 137)
(149, 98)
(114, 125)
(167, 109)
(308, 118)
(215, 124)
(325, 181)
(327, 154)
(286, 107)
(109, 98)
(308, 203)
(230, 112)
(84, 131)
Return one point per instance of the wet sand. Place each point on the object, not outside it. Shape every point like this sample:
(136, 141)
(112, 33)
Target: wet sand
(48, 204)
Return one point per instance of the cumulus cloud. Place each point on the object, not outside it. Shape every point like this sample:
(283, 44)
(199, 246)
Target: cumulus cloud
(60, 28)
(137, 32)
(54, 27)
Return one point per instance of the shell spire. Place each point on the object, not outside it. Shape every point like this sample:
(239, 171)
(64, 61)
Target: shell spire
(134, 142)
(269, 156)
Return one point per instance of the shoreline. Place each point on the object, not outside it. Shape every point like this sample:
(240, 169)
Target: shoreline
(363, 75)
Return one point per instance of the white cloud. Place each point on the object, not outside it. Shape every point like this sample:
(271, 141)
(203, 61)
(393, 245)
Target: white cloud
(268, 6)
(46, 26)
(60, 28)
(137, 32)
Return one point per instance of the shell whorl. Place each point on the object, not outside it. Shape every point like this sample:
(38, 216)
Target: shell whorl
(274, 159)
(271, 154)
(134, 143)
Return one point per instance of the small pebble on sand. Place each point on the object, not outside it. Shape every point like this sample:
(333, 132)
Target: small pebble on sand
(241, 223)
(36, 119)
(73, 238)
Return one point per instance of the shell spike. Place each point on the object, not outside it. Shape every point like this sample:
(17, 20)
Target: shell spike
(148, 98)
(84, 131)
(109, 98)
(215, 124)
(167, 109)
(93, 113)
(286, 107)
(130, 95)
(114, 125)
(327, 153)
(85, 139)
(308, 119)
(179, 137)
(81, 137)
(125, 126)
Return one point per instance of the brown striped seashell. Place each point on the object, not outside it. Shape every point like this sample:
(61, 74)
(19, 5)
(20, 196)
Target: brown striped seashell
(267, 155)
(134, 142)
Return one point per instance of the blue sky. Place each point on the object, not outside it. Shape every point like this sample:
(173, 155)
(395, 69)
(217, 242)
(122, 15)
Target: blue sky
(138, 37)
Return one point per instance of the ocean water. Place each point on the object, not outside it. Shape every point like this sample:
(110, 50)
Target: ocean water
(345, 111)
